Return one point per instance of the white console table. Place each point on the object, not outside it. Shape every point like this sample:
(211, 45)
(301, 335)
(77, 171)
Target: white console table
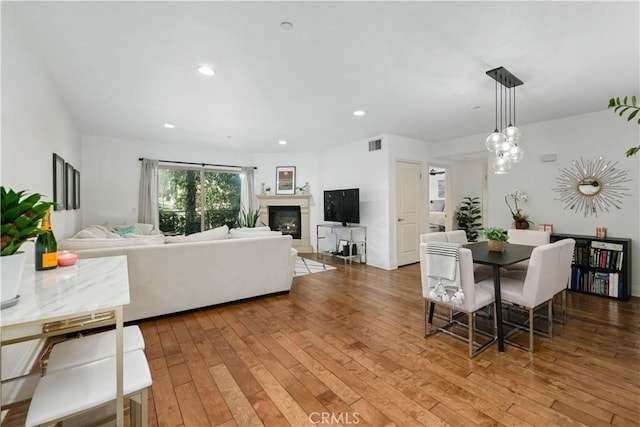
(88, 295)
(353, 234)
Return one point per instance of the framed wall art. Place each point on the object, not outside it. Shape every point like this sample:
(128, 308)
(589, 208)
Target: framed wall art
(76, 189)
(68, 181)
(285, 180)
(59, 187)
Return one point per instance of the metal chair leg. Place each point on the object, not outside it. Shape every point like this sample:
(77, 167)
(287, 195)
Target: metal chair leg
(550, 317)
(531, 328)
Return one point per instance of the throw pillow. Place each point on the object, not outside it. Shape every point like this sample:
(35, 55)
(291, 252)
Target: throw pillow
(122, 232)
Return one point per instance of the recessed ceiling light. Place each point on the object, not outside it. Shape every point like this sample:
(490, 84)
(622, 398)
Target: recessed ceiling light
(286, 25)
(358, 113)
(169, 126)
(206, 70)
(282, 142)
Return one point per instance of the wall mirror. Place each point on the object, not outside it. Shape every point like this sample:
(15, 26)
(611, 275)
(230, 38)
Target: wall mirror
(592, 186)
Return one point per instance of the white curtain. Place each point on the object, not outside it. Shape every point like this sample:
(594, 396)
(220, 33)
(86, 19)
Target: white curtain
(247, 192)
(148, 198)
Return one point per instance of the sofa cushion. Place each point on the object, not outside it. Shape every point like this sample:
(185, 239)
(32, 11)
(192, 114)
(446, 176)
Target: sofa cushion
(241, 233)
(95, 232)
(219, 233)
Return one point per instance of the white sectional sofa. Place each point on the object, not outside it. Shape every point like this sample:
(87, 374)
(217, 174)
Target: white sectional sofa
(170, 278)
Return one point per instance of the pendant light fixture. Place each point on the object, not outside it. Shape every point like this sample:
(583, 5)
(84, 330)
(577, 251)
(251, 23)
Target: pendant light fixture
(505, 139)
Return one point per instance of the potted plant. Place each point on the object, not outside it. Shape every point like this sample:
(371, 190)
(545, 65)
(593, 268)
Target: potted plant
(497, 238)
(21, 215)
(468, 215)
(249, 219)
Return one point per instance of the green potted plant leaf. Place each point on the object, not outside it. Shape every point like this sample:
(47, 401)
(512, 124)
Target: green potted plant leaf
(497, 238)
(21, 215)
(249, 218)
(623, 106)
(468, 216)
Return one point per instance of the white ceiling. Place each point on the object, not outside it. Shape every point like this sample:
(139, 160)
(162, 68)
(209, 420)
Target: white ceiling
(416, 68)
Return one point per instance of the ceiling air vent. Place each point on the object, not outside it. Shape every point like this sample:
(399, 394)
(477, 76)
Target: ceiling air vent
(375, 145)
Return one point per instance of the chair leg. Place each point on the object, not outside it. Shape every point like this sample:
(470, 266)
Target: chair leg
(550, 317)
(531, 328)
(564, 307)
(471, 333)
(425, 318)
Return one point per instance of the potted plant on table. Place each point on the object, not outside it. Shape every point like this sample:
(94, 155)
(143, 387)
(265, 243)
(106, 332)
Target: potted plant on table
(497, 238)
(21, 215)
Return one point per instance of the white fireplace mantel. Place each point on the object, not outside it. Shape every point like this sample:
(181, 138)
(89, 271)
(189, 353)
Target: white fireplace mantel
(304, 243)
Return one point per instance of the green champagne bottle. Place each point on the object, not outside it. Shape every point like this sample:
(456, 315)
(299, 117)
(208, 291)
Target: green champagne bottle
(46, 246)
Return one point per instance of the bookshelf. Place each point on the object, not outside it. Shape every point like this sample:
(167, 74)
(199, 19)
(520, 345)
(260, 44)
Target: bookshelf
(600, 266)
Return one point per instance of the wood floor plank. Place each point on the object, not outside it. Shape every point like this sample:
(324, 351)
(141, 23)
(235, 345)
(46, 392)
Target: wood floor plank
(237, 402)
(291, 410)
(193, 413)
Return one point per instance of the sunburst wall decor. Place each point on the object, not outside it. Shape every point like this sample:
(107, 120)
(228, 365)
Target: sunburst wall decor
(591, 186)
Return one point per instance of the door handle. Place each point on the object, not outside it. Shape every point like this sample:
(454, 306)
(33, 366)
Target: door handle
(400, 219)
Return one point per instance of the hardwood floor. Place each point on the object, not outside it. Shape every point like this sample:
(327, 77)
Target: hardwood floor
(346, 347)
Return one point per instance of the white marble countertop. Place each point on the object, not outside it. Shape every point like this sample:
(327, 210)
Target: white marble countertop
(90, 285)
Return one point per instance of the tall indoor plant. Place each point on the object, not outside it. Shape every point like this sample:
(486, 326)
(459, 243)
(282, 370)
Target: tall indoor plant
(468, 215)
(21, 215)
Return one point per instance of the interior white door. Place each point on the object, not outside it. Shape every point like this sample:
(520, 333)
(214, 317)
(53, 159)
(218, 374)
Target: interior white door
(408, 211)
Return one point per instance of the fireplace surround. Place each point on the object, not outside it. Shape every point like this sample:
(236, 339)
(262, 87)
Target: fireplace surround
(282, 206)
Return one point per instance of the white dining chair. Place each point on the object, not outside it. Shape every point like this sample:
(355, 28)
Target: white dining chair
(437, 236)
(537, 289)
(475, 297)
(567, 247)
(529, 238)
(457, 236)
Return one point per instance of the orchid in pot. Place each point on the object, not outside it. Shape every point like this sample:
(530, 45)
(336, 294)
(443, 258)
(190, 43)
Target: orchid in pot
(520, 219)
(21, 215)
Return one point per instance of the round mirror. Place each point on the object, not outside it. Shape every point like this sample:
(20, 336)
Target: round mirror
(589, 186)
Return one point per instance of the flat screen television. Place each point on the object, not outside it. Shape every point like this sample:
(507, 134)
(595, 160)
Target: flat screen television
(342, 206)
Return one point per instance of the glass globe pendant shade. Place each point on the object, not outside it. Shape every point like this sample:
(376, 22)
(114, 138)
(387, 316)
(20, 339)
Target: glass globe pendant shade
(505, 147)
(501, 164)
(512, 133)
(494, 141)
(515, 154)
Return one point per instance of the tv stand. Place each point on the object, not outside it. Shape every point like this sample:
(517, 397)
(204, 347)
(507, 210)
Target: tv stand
(353, 236)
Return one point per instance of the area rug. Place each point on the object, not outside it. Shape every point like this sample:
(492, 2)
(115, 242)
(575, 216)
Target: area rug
(307, 266)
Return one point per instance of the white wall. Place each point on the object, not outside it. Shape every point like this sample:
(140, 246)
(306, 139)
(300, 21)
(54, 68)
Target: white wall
(587, 136)
(35, 124)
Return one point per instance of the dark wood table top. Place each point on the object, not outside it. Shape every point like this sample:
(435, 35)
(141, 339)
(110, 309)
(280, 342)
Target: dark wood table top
(511, 254)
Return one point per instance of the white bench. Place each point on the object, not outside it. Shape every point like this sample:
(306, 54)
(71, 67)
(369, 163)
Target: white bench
(91, 348)
(66, 393)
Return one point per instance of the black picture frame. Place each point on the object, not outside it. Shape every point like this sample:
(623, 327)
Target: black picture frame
(285, 180)
(76, 189)
(59, 186)
(68, 182)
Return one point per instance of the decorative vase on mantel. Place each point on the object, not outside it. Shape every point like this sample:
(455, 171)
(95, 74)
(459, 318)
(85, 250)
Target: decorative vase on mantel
(495, 245)
(12, 266)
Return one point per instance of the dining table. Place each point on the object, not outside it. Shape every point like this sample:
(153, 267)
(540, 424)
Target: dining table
(511, 254)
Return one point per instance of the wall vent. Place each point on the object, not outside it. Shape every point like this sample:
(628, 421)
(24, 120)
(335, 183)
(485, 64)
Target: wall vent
(375, 145)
